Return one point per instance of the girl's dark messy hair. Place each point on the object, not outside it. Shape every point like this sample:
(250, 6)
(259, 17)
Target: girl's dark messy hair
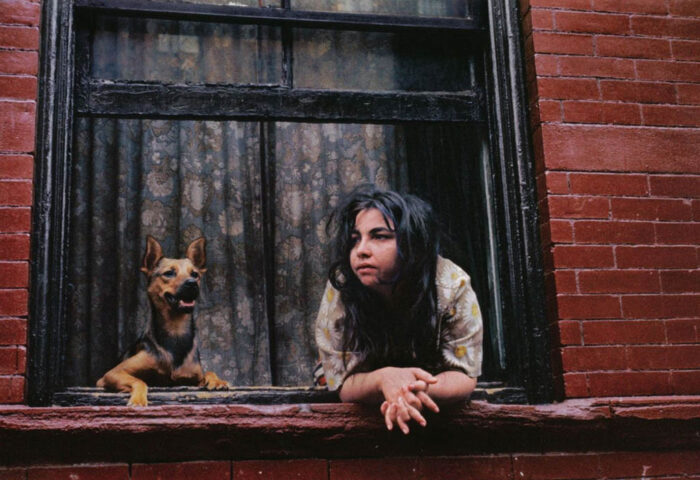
(401, 332)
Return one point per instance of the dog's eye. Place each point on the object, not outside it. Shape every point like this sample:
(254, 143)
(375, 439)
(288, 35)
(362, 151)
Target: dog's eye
(169, 274)
(194, 275)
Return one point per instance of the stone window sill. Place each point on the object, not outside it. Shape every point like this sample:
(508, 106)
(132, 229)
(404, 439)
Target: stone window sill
(210, 432)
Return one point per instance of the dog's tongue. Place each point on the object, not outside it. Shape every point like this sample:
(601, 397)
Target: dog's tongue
(184, 304)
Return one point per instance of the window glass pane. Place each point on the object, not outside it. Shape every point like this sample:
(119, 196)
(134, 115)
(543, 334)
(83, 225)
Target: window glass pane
(176, 181)
(236, 3)
(432, 8)
(191, 52)
(380, 61)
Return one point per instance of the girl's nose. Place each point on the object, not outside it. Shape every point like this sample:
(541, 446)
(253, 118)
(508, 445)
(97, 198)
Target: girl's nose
(363, 249)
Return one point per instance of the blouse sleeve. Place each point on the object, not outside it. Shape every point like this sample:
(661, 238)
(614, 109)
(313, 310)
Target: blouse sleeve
(329, 339)
(462, 330)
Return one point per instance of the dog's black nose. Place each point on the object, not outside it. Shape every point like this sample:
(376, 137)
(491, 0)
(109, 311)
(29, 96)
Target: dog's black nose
(189, 290)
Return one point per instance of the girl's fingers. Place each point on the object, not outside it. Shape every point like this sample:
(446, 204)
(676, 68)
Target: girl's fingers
(428, 402)
(412, 399)
(389, 416)
(423, 375)
(384, 406)
(402, 415)
(417, 385)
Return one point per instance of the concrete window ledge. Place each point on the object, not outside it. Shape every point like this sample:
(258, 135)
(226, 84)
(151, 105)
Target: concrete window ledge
(212, 432)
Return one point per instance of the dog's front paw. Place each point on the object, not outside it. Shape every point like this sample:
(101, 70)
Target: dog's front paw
(213, 382)
(139, 396)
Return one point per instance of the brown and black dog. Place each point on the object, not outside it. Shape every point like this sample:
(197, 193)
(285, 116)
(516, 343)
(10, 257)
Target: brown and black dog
(167, 353)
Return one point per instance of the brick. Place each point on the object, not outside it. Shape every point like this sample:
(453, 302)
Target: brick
(631, 6)
(608, 184)
(678, 233)
(546, 65)
(550, 111)
(13, 331)
(664, 71)
(666, 27)
(685, 50)
(591, 22)
(181, 471)
(696, 210)
(11, 389)
(14, 274)
(575, 385)
(688, 94)
(679, 186)
(662, 357)
(610, 232)
(565, 281)
(577, 359)
(602, 113)
(13, 473)
(19, 62)
(21, 360)
(651, 209)
(631, 464)
(19, 37)
(374, 469)
(14, 247)
(596, 67)
(616, 281)
(16, 166)
(623, 332)
(280, 469)
(567, 4)
(555, 466)
(607, 384)
(621, 148)
(578, 207)
(561, 231)
(21, 12)
(568, 88)
(17, 127)
(465, 468)
(8, 360)
(685, 8)
(680, 281)
(686, 383)
(563, 43)
(578, 256)
(19, 88)
(660, 306)
(13, 302)
(683, 330)
(15, 193)
(81, 472)
(632, 47)
(642, 92)
(15, 220)
(671, 115)
(570, 333)
(655, 257)
(588, 306)
(541, 19)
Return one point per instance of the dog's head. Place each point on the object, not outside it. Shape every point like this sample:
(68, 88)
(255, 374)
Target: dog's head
(173, 283)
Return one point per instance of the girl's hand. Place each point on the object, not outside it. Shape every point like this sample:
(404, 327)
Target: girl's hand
(393, 380)
(402, 404)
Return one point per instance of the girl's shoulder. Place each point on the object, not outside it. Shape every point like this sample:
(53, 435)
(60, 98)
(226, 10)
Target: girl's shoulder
(450, 276)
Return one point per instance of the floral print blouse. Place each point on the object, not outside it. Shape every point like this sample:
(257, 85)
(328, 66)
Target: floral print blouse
(461, 327)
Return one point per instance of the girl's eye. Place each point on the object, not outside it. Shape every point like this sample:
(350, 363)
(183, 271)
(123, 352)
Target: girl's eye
(194, 275)
(354, 239)
(169, 274)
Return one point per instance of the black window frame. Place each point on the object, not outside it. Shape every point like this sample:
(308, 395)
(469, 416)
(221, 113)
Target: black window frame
(65, 90)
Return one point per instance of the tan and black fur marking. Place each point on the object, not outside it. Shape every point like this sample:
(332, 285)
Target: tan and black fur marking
(167, 353)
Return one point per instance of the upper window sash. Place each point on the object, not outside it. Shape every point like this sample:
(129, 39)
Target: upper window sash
(176, 10)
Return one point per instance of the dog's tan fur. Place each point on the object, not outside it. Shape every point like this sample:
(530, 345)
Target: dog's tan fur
(167, 353)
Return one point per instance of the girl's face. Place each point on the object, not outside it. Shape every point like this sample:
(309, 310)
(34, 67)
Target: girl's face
(374, 255)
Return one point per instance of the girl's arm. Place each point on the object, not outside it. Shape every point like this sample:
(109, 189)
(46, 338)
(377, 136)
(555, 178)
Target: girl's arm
(386, 383)
(452, 386)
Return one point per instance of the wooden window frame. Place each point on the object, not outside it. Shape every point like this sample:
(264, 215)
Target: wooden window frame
(65, 90)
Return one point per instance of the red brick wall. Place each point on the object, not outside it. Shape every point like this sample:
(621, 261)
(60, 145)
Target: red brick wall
(19, 45)
(623, 466)
(615, 109)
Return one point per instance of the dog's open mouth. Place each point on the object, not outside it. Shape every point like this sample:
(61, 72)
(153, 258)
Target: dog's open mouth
(177, 302)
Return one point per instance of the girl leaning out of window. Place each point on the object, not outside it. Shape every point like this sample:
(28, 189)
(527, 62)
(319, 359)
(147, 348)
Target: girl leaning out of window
(398, 325)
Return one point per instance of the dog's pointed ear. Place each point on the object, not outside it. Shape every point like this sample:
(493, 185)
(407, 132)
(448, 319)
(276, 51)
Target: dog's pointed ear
(196, 252)
(154, 252)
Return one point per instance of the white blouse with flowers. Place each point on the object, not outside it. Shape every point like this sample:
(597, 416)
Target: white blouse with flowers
(461, 327)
